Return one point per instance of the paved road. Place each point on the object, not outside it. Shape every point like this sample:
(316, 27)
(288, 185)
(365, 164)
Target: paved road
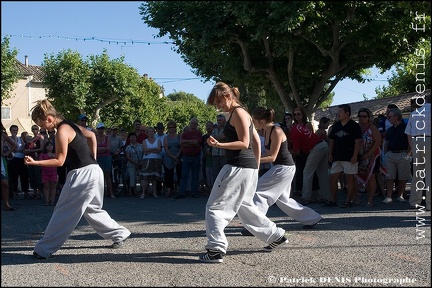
(386, 245)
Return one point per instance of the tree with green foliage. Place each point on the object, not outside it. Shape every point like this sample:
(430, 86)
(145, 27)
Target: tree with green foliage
(299, 50)
(105, 89)
(412, 71)
(9, 69)
(113, 92)
(181, 107)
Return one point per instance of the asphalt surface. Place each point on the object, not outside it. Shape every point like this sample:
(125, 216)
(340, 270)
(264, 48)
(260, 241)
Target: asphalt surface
(388, 245)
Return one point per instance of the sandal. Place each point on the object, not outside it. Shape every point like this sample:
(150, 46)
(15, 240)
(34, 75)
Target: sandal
(346, 205)
(46, 204)
(37, 197)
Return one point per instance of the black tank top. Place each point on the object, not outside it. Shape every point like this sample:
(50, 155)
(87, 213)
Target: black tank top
(79, 154)
(283, 157)
(241, 158)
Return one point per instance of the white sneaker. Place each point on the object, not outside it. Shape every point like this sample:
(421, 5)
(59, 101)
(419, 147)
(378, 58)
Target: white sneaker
(401, 199)
(387, 200)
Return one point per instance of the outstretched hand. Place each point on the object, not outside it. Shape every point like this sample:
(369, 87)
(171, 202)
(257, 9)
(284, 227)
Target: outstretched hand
(28, 160)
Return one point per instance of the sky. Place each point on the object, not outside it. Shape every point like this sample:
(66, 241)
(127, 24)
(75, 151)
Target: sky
(38, 28)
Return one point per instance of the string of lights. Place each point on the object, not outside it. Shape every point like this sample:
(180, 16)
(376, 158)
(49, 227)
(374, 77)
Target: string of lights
(92, 38)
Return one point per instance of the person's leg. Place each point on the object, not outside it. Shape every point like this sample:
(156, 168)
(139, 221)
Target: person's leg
(389, 187)
(5, 193)
(220, 209)
(77, 192)
(251, 217)
(351, 187)
(98, 218)
(46, 192)
(371, 188)
(195, 170)
(186, 167)
(323, 175)
(401, 188)
(334, 185)
(52, 191)
(144, 186)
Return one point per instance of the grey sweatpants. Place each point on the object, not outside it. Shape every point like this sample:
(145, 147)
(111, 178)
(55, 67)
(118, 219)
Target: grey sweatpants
(82, 195)
(232, 194)
(275, 187)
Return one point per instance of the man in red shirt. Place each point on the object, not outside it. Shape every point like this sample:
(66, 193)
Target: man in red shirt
(139, 130)
(305, 141)
(190, 144)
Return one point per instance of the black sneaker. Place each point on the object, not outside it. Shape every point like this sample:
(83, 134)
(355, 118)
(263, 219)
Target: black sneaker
(280, 242)
(246, 232)
(330, 204)
(212, 257)
(37, 256)
(311, 226)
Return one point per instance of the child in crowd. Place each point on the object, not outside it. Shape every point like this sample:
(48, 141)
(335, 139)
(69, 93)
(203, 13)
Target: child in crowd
(49, 175)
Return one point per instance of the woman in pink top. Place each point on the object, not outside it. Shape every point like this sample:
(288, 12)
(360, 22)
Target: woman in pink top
(49, 174)
(104, 157)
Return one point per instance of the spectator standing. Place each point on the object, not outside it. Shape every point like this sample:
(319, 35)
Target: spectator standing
(16, 167)
(160, 134)
(134, 155)
(117, 151)
(315, 150)
(172, 160)
(82, 120)
(300, 159)
(397, 152)
(5, 140)
(207, 158)
(49, 174)
(33, 148)
(323, 125)
(369, 163)
(190, 143)
(104, 157)
(218, 154)
(418, 131)
(151, 163)
(344, 146)
(286, 124)
(139, 131)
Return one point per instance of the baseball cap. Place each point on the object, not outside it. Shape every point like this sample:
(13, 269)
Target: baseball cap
(100, 125)
(82, 117)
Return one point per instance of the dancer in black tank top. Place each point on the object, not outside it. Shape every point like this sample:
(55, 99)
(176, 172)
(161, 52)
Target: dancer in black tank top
(275, 185)
(83, 192)
(233, 190)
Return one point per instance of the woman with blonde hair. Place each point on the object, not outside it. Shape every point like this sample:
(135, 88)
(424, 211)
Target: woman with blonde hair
(83, 192)
(234, 188)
